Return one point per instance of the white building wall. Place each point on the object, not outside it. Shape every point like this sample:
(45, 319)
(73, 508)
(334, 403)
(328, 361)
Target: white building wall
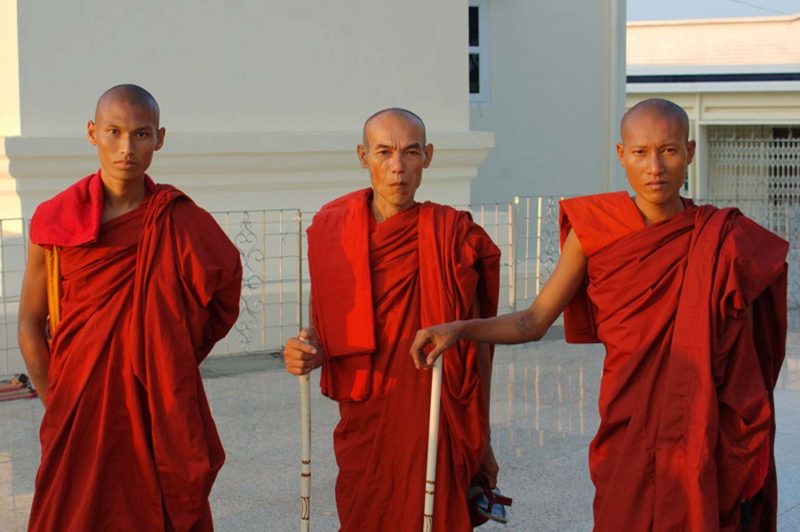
(9, 81)
(557, 91)
(247, 65)
(262, 101)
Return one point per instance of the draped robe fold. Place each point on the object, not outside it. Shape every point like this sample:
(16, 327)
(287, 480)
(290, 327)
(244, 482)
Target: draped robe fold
(373, 286)
(686, 412)
(128, 441)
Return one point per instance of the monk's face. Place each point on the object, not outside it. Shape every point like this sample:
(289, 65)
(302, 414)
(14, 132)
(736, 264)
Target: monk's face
(126, 135)
(395, 154)
(655, 153)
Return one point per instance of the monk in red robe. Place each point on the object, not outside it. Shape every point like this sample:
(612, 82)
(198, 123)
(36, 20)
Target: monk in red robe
(690, 303)
(127, 287)
(382, 265)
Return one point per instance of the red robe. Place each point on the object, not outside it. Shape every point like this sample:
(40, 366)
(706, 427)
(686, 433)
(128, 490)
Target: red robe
(128, 441)
(686, 415)
(373, 286)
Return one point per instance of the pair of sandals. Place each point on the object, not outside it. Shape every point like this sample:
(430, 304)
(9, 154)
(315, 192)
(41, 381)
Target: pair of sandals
(487, 504)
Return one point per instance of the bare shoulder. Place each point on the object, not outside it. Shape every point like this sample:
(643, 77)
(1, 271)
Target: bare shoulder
(572, 245)
(35, 264)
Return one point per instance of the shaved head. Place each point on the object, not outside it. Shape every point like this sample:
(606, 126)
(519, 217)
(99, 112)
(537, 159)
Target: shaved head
(133, 95)
(658, 107)
(398, 111)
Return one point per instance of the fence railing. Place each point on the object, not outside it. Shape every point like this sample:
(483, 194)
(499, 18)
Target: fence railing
(275, 287)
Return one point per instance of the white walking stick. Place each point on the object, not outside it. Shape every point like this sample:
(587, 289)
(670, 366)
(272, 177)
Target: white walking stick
(305, 452)
(433, 441)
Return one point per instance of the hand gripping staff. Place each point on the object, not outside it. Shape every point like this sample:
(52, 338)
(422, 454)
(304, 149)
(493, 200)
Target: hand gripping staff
(433, 441)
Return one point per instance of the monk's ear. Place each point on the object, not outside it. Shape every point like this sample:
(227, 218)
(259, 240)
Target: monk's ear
(690, 147)
(361, 151)
(91, 132)
(160, 138)
(428, 155)
(620, 152)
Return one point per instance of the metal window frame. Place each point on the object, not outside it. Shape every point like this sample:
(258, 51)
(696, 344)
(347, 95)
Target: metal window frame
(482, 50)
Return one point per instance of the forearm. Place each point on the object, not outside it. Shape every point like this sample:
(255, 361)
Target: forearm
(515, 328)
(524, 326)
(36, 354)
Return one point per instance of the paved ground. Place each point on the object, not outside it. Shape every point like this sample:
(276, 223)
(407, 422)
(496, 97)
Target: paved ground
(543, 416)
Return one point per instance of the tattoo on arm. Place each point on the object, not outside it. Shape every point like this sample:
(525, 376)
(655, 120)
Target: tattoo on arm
(524, 324)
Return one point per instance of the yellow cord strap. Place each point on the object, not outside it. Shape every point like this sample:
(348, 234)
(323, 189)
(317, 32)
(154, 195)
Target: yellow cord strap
(52, 258)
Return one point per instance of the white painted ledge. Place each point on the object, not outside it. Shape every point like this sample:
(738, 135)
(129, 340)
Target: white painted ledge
(235, 171)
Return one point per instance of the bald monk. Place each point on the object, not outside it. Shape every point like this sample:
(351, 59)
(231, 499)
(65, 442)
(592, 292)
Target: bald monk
(690, 303)
(127, 287)
(382, 265)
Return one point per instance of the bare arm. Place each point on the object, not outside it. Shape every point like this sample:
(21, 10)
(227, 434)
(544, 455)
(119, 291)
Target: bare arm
(32, 332)
(488, 468)
(518, 327)
(484, 360)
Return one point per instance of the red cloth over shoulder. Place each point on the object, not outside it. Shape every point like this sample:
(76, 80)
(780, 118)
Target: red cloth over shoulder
(341, 293)
(73, 217)
(598, 221)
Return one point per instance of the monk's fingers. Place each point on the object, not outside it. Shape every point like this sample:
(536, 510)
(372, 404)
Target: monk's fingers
(294, 345)
(298, 370)
(306, 335)
(418, 356)
(418, 348)
(434, 353)
(300, 363)
(299, 357)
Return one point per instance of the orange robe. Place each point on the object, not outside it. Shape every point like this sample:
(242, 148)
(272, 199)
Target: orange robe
(128, 441)
(686, 413)
(373, 286)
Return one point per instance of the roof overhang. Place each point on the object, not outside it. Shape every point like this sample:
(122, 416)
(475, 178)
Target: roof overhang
(713, 78)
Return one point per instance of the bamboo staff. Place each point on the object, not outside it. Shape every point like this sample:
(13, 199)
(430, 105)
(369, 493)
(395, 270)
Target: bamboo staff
(305, 452)
(433, 443)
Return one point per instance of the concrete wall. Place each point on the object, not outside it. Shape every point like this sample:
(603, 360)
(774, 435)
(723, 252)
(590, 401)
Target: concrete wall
(262, 101)
(557, 90)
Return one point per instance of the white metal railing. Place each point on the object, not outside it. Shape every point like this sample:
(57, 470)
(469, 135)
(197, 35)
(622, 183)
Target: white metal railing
(275, 282)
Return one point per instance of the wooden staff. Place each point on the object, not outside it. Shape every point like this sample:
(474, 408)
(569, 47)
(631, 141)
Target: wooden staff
(305, 452)
(433, 443)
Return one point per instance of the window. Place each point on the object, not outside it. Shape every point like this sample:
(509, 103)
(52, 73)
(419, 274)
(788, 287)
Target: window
(478, 52)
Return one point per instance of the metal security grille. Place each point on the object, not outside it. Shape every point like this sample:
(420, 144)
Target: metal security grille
(754, 163)
(784, 167)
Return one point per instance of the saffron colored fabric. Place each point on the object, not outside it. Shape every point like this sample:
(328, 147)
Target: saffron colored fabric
(128, 441)
(426, 265)
(686, 413)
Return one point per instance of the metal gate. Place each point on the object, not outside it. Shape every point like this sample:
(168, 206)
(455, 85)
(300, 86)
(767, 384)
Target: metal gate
(754, 163)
